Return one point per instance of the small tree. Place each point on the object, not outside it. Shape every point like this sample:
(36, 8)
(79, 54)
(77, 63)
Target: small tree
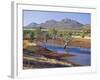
(52, 33)
(45, 36)
(68, 38)
(32, 35)
(38, 33)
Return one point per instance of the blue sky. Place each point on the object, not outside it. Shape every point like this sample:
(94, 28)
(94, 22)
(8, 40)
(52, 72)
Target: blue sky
(42, 16)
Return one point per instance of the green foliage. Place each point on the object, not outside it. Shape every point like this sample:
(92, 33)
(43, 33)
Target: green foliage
(85, 32)
(45, 36)
(59, 33)
(38, 33)
(68, 37)
(32, 35)
(52, 32)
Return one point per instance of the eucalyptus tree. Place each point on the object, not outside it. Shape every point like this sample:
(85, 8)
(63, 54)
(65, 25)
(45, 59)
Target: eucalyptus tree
(52, 33)
(68, 38)
(38, 33)
(45, 36)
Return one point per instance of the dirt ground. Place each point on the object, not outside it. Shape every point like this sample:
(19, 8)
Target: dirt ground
(76, 42)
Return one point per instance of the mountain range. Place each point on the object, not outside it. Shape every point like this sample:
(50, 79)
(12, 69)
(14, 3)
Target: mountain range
(63, 24)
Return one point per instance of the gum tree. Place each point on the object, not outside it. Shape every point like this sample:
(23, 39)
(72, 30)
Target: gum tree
(68, 38)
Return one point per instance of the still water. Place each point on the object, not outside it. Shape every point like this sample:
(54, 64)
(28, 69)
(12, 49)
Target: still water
(83, 55)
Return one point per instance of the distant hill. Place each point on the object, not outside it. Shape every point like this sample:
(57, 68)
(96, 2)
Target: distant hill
(63, 24)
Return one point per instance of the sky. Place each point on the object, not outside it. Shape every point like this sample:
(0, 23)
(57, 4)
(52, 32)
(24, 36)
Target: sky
(42, 16)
